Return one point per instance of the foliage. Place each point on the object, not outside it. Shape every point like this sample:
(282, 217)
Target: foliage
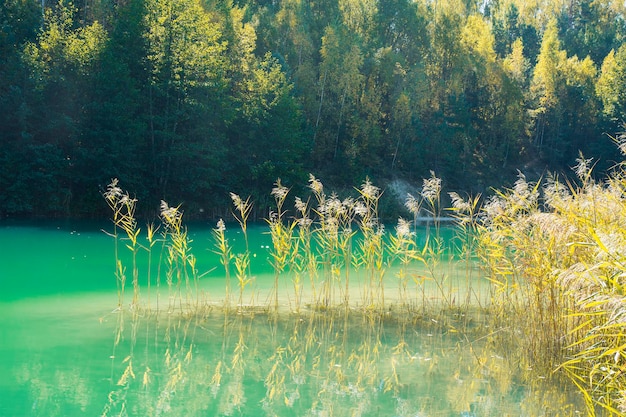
(612, 83)
(553, 251)
(187, 100)
(319, 244)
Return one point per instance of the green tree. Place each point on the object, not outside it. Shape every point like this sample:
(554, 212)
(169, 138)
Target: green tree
(114, 134)
(340, 84)
(546, 85)
(402, 25)
(590, 28)
(505, 28)
(60, 65)
(358, 16)
(266, 140)
(20, 21)
(611, 85)
(566, 104)
(443, 112)
(508, 25)
(188, 104)
(516, 64)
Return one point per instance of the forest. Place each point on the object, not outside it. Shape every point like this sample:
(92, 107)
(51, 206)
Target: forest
(188, 100)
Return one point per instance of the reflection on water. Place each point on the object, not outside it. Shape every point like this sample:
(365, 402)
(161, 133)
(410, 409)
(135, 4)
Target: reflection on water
(70, 355)
(76, 360)
(318, 364)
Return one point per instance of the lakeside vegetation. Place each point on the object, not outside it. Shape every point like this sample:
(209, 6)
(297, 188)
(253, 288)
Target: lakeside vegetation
(549, 295)
(187, 100)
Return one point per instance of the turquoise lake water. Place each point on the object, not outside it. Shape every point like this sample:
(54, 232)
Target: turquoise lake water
(67, 350)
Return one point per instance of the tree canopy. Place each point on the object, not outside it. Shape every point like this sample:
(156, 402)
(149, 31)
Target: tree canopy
(186, 100)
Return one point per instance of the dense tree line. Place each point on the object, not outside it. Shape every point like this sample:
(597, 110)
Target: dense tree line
(186, 100)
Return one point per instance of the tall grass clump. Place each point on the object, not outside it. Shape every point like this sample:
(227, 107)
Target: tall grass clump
(182, 274)
(282, 239)
(520, 267)
(224, 251)
(403, 248)
(339, 245)
(552, 254)
(332, 235)
(243, 208)
(465, 213)
(304, 260)
(555, 252)
(434, 247)
(371, 246)
(175, 258)
(123, 208)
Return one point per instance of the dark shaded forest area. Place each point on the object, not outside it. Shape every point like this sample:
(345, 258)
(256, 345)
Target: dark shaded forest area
(187, 100)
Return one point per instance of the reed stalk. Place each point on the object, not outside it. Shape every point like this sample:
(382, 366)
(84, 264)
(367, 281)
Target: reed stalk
(465, 213)
(431, 194)
(303, 256)
(402, 247)
(434, 247)
(180, 259)
(243, 208)
(282, 239)
(123, 207)
(371, 247)
(224, 251)
(325, 235)
(151, 233)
